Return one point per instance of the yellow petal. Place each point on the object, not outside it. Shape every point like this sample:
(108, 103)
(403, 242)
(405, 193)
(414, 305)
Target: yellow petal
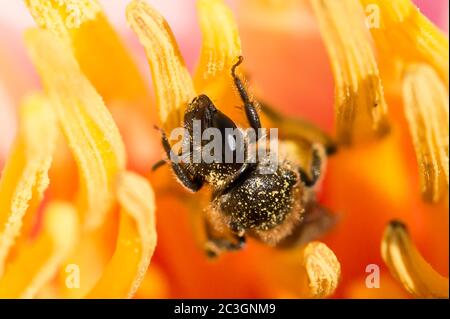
(322, 268)
(408, 266)
(221, 47)
(173, 84)
(97, 47)
(136, 240)
(87, 125)
(405, 34)
(38, 261)
(360, 106)
(87, 261)
(25, 175)
(426, 107)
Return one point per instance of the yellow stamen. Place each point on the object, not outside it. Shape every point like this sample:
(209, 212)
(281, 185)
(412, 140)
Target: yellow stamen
(406, 35)
(172, 82)
(61, 15)
(221, 47)
(426, 107)
(88, 126)
(322, 268)
(360, 107)
(136, 241)
(37, 262)
(88, 260)
(98, 49)
(408, 266)
(25, 176)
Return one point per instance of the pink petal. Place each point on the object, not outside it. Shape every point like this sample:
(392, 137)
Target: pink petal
(436, 11)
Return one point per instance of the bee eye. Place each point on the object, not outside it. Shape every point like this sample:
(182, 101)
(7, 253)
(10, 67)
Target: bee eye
(232, 138)
(222, 122)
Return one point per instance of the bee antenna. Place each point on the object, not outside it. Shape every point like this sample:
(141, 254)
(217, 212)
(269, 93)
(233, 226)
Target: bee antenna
(233, 68)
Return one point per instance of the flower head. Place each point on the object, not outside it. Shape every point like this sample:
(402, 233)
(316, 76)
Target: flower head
(76, 221)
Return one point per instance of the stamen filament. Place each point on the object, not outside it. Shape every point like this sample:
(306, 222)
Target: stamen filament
(25, 175)
(406, 35)
(322, 268)
(98, 49)
(360, 106)
(221, 47)
(426, 108)
(136, 240)
(38, 261)
(408, 266)
(86, 123)
(172, 82)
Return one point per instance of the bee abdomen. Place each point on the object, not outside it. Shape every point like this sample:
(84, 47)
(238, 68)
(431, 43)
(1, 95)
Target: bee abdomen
(261, 201)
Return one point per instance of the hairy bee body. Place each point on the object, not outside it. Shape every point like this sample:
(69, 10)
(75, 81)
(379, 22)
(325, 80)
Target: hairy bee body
(265, 199)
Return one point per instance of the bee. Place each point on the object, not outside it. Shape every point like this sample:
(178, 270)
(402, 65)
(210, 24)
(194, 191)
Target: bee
(276, 207)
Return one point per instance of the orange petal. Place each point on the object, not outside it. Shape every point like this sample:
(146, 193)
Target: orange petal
(88, 126)
(25, 176)
(136, 240)
(38, 261)
(154, 284)
(389, 289)
(291, 30)
(173, 84)
(97, 47)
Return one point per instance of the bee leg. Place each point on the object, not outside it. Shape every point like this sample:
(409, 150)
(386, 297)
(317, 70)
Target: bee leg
(216, 244)
(316, 166)
(158, 164)
(192, 183)
(250, 109)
